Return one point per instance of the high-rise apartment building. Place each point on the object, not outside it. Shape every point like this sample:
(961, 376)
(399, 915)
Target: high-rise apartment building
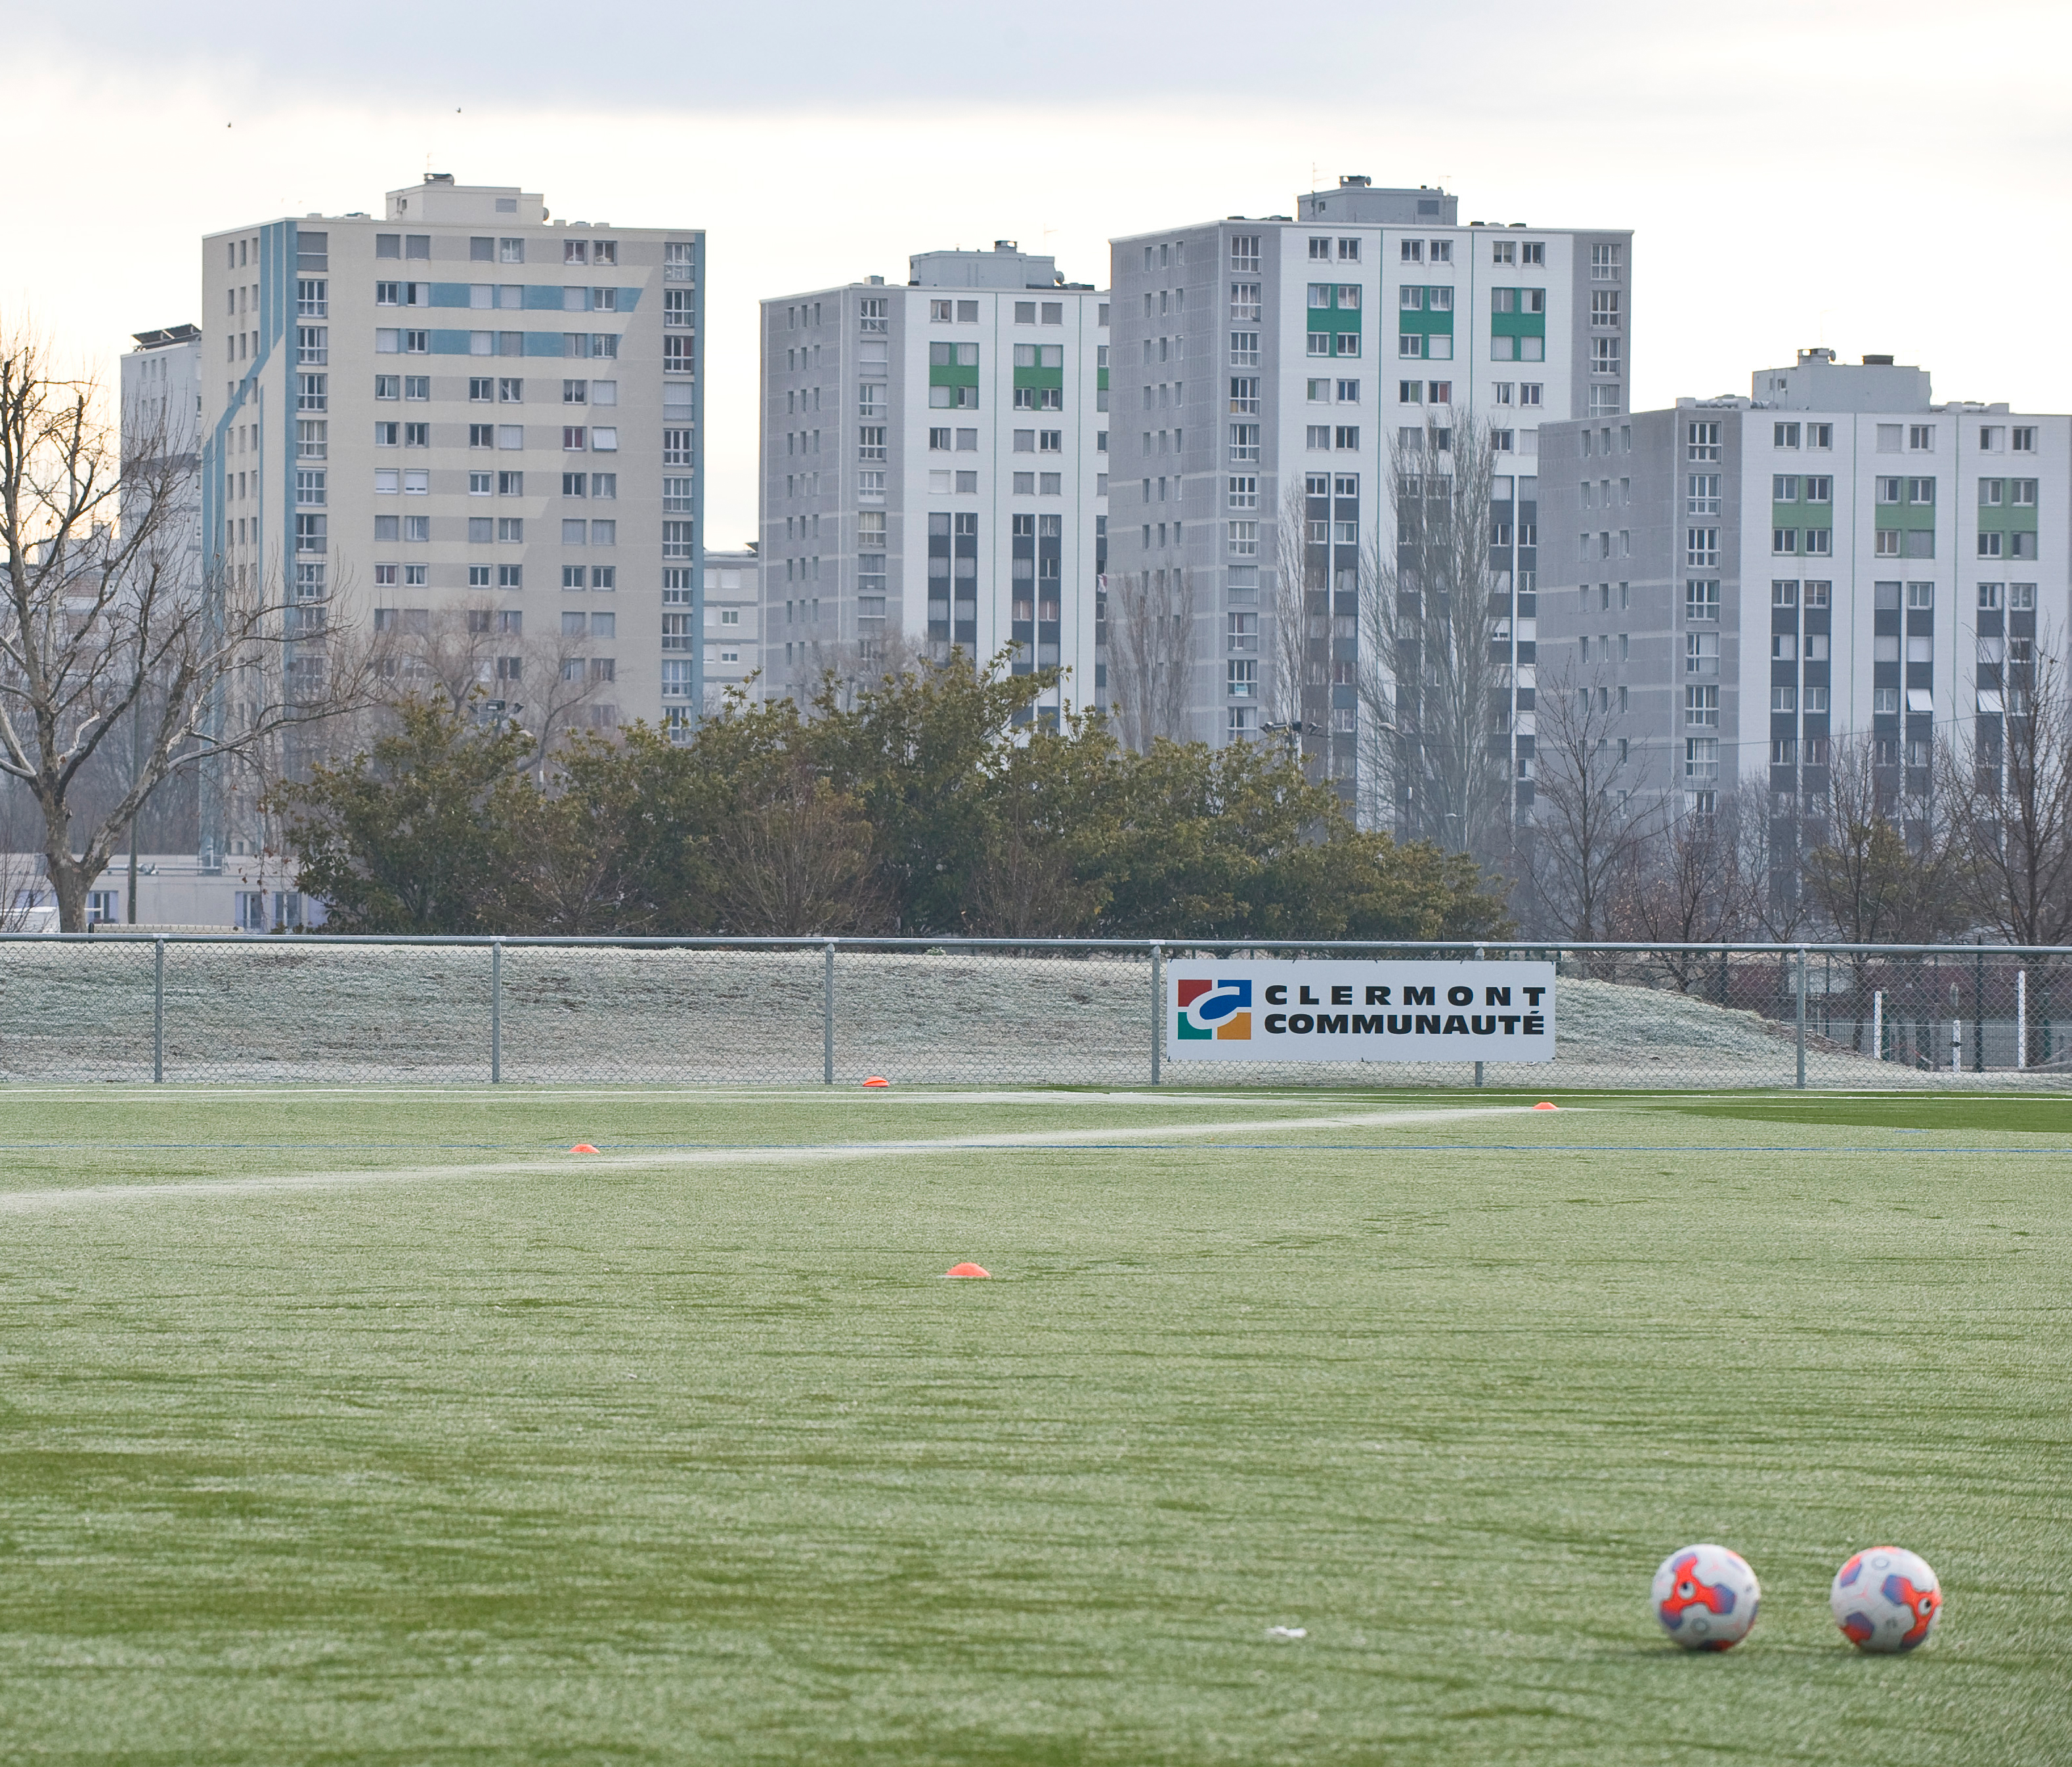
(160, 388)
(1246, 376)
(463, 404)
(935, 471)
(1835, 556)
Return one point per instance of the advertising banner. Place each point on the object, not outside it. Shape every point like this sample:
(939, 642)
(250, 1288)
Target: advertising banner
(1383, 1010)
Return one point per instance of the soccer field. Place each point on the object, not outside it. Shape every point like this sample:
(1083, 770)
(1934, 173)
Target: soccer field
(374, 1426)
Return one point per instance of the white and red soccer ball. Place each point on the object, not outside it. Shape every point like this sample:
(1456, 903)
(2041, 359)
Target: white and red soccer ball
(1886, 1599)
(1706, 1597)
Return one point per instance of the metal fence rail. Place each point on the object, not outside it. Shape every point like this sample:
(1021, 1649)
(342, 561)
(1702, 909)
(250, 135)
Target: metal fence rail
(243, 1009)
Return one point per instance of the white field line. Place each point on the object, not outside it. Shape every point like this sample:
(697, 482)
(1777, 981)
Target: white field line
(585, 1164)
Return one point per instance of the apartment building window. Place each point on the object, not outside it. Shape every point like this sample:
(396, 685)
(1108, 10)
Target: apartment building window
(1701, 546)
(676, 538)
(1243, 539)
(1244, 493)
(312, 392)
(1244, 395)
(1244, 252)
(1701, 707)
(1605, 309)
(679, 260)
(676, 448)
(1702, 441)
(1605, 262)
(873, 314)
(1244, 349)
(1244, 300)
(2022, 440)
(1244, 443)
(312, 439)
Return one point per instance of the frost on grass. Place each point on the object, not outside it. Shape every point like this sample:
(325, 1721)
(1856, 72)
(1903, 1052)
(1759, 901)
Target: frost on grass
(284, 1010)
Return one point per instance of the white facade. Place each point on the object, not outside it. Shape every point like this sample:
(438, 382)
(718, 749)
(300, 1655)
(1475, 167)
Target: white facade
(1835, 556)
(1258, 356)
(462, 402)
(935, 471)
(733, 626)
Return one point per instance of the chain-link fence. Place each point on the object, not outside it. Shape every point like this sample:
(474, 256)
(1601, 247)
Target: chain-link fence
(310, 1010)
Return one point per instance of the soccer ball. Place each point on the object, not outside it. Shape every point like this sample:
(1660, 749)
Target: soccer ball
(1706, 1597)
(1885, 1599)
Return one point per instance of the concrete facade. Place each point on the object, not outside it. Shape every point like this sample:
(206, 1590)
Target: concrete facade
(733, 644)
(461, 402)
(934, 472)
(1834, 555)
(1257, 356)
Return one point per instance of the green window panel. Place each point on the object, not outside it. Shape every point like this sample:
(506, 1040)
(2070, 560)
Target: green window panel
(1100, 379)
(1044, 377)
(1419, 319)
(1511, 313)
(953, 376)
(1333, 318)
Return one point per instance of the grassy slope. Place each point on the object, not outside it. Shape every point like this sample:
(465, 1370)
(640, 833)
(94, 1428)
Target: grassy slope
(708, 1465)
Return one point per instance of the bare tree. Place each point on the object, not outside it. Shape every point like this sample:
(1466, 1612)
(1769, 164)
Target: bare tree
(1687, 886)
(796, 858)
(2009, 799)
(1151, 654)
(1887, 870)
(103, 618)
(480, 657)
(1594, 806)
(1433, 690)
(1298, 574)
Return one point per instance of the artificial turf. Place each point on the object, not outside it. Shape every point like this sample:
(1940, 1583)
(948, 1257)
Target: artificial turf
(375, 1428)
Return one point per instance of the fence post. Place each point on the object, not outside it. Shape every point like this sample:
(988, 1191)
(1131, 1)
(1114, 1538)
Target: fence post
(158, 1011)
(1802, 1018)
(827, 1018)
(1956, 1032)
(497, 1012)
(1158, 1012)
(2021, 1018)
(1878, 1025)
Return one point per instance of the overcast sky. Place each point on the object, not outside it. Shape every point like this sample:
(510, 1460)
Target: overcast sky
(1885, 177)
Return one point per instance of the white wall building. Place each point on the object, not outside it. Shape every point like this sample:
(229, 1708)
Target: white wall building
(461, 402)
(732, 648)
(935, 470)
(1253, 356)
(1835, 555)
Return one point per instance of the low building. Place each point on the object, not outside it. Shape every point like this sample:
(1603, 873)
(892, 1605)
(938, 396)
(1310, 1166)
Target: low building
(733, 626)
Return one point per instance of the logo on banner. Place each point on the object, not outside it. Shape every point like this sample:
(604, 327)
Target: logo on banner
(1215, 1010)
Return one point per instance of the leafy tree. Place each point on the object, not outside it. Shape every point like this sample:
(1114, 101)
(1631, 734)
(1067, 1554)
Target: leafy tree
(421, 834)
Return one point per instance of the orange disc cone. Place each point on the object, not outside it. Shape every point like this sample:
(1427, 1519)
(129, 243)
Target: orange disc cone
(1543, 1105)
(582, 1147)
(878, 1079)
(967, 1270)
